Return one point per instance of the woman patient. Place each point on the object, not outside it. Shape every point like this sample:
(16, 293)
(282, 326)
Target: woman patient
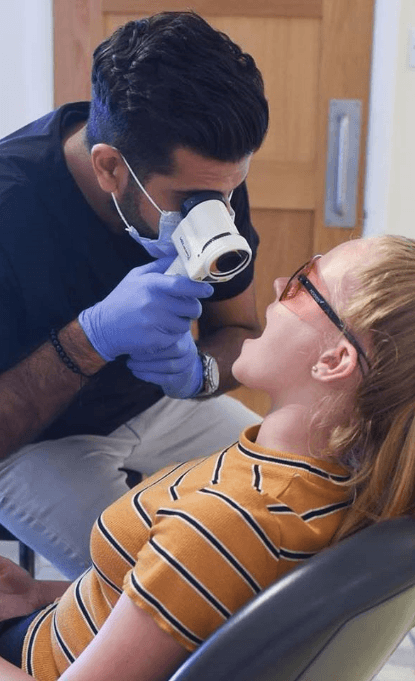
(178, 554)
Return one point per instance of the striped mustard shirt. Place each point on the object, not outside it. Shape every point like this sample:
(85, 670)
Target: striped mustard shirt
(193, 543)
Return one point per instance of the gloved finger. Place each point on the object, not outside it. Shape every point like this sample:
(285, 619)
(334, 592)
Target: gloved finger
(170, 308)
(176, 285)
(175, 345)
(171, 327)
(179, 358)
(181, 386)
(183, 345)
(178, 294)
(183, 286)
(163, 367)
(160, 265)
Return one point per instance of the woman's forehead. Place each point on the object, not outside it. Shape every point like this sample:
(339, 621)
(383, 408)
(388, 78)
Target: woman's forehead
(337, 267)
(334, 277)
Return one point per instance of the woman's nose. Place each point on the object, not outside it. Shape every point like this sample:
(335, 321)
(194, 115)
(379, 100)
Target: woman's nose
(279, 285)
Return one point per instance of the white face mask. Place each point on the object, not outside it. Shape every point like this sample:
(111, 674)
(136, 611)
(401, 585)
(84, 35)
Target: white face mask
(169, 219)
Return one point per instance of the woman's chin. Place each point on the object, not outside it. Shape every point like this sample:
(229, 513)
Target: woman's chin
(242, 365)
(240, 370)
(236, 370)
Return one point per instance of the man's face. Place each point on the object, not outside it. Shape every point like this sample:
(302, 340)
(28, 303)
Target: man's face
(192, 173)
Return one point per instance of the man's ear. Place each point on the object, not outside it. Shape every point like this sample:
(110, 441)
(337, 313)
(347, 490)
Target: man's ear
(336, 363)
(109, 168)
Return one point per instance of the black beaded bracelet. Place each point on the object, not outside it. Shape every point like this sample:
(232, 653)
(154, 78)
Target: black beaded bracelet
(62, 354)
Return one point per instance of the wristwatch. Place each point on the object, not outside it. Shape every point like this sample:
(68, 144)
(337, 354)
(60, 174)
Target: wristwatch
(210, 374)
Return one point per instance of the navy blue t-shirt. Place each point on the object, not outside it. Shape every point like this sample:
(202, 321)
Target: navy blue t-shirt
(57, 258)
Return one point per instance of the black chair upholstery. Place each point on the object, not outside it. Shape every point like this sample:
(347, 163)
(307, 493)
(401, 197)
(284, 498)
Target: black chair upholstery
(337, 617)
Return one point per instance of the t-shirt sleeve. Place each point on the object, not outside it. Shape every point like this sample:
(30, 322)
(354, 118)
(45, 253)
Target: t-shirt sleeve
(12, 317)
(23, 275)
(33, 284)
(194, 572)
(232, 288)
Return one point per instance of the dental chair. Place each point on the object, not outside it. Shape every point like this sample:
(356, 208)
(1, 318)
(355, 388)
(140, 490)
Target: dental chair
(337, 617)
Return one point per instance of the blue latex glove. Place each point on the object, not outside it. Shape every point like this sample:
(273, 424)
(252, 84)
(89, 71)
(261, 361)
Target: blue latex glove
(147, 312)
(177, 369)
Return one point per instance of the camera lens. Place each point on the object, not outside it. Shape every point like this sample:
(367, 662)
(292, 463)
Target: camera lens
(229, 262)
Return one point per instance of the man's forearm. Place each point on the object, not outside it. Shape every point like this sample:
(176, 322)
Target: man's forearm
(37, 390)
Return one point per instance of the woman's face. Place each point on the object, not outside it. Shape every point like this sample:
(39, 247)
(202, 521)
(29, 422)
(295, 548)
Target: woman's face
(297, 330)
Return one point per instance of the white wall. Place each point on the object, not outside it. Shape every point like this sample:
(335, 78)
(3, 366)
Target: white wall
(381, 114)
(400, 210)
(390, 182)
(26, 62)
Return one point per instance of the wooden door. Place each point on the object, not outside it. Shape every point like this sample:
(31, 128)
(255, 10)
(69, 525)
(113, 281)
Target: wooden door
(309, 52)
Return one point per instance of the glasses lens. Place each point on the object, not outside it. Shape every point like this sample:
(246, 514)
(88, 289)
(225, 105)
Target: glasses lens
(294, 285)
(290, 290)
(306, 312)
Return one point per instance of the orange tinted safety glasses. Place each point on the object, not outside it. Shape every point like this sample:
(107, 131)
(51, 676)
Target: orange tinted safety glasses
(300, 282)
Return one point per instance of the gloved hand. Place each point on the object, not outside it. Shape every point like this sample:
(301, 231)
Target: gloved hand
(177, 369)
(147, 312)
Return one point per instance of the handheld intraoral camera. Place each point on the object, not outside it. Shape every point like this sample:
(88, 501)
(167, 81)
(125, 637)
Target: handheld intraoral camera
(208, 245)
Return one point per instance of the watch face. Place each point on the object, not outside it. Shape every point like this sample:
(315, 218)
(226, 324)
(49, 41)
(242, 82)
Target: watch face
(210, 373)
(214, 372)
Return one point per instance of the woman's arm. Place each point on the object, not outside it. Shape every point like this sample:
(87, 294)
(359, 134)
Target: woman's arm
(129, 647)
(8, 672)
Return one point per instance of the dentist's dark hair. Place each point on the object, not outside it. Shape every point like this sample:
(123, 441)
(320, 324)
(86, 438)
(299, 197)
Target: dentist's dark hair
(172, 80)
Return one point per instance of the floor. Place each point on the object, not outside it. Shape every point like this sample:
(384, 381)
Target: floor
(400, 667)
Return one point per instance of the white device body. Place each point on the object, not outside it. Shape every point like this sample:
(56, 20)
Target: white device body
(208, 244)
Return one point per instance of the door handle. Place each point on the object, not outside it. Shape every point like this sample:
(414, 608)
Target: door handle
(342, 157)
(342, 162)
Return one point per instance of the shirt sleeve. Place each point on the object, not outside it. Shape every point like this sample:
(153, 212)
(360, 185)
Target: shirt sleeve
(36, 269)
(12, 318)
(23, 274)
(197, 568)
(232, 288)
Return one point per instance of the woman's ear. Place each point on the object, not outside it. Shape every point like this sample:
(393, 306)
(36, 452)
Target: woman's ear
(109, 168)
(336, 363)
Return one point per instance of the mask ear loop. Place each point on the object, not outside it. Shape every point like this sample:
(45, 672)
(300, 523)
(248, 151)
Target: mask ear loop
(127, 226)
(139, 184)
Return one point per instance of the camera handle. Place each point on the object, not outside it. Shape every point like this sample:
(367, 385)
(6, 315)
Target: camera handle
(177, 267)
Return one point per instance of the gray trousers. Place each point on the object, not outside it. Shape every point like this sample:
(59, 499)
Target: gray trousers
(52, 492)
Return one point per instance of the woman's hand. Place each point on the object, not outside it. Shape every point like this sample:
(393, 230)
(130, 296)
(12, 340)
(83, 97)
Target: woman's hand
(19, 592)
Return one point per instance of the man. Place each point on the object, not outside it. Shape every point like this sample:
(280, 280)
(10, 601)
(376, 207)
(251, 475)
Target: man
(95, 338)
